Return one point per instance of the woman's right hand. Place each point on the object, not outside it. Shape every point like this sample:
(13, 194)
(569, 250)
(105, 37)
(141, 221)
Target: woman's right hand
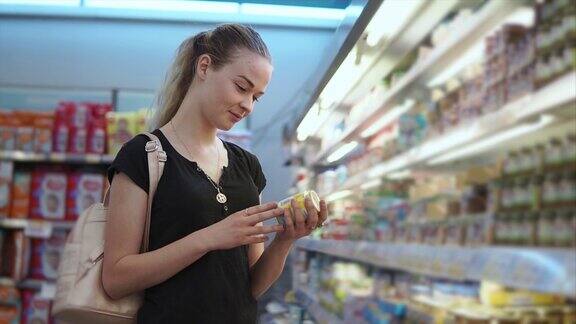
(241, 228)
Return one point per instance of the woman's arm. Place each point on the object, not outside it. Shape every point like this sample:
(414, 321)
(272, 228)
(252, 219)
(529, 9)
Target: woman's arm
(125, 271)
(267, 265)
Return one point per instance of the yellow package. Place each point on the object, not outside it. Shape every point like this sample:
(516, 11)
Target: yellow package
(121, 127)
(493, 294)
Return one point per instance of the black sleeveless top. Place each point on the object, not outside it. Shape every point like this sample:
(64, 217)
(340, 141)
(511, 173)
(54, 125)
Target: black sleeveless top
(215, 288)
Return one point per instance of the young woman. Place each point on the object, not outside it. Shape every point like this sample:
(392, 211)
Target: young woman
(207, 262)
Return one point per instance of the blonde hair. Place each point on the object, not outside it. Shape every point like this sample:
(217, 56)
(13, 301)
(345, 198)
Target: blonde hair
(220, 43)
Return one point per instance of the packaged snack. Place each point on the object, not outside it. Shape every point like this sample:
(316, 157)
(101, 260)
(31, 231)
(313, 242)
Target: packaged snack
(78, 115)
(16, 255)
(61, 129)
(35, 310)
(9, 314)
(21, 194)
(24, 131)
(97, 137)
(48, 195)
(46, 255)
(78, 140)
(84, 189)
(6, 173)
(9, 296)
(43, 125)
(121, 128)
(300, 200)
(7, 131)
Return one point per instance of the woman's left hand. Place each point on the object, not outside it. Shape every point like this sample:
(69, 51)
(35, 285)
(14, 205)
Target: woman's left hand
(297, 226)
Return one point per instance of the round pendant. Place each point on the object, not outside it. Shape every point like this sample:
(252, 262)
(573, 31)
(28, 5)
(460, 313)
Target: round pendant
(221, 198)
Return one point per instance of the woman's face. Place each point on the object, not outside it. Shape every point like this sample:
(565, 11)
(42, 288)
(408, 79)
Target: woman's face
(233, 89)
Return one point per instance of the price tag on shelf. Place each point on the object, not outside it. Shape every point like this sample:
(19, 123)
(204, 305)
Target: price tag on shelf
(42, 230)
(58, 157)
(47, 291)
(93, 158)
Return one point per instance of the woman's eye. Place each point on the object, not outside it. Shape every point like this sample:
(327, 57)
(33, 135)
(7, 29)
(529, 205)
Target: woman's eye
(240, 88)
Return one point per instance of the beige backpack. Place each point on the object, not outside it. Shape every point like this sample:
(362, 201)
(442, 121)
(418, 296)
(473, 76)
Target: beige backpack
(80, 296)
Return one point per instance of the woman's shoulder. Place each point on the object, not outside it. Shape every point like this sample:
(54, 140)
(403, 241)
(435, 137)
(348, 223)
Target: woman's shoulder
(240, 152)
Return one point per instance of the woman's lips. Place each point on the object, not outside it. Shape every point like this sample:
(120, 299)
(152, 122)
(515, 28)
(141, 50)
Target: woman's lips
(236, 118)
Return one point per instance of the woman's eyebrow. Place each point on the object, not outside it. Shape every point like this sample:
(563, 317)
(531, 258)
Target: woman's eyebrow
(250, 83)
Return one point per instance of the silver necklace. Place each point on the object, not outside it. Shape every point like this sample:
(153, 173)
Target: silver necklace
(220, 197)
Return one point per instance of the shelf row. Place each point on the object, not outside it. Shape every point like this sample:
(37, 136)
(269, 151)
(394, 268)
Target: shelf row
(551, 270)
(19, 156)
(442, 58)
(316, 310)
(557, 94)
(46, 289)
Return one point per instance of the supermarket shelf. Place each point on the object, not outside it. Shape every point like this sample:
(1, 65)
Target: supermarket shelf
(555, 95)
(551, 270)
(34, 284)
(24, 223)
(19, 156)
(315, 309)
(439, 60)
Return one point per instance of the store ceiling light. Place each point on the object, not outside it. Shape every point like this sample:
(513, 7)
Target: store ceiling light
(167, 5)
(292, 11)
(390, 18)
(66, 3)
(342, 151)
(338, 195)
(389, 117)
(492, 141)
(309, 124)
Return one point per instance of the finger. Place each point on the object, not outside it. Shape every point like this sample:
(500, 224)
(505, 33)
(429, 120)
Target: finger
(312, 219)
(323, 212)
(259, 208)
(299, 221)
(256, 239)
(256, 230)
(265, 215)
(289, 221)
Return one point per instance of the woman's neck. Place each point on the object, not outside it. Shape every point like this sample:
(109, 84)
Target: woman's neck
(192, 126)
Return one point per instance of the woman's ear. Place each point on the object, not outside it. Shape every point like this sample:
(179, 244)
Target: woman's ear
(204, 62)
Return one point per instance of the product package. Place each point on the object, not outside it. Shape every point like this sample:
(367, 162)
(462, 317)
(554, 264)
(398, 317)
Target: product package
(15, 255)
(84, 189)
(48, 200)
(43, 124)
(35, 309)
(6, 173)
(21, 186)
(24, 131)
(46, 256)
(122, 126)
(7, 131)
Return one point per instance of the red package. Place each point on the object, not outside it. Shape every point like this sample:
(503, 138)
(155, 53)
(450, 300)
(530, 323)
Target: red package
(61, 130)
(35, 310)
(97, 137)
(21, 186)
(78, 115)
(78, 140)
(84, 190)
(46, 255)
(48, 195)
(16, 255)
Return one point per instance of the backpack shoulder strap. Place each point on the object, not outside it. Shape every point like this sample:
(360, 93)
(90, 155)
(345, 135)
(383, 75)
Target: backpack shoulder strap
(156, 160)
